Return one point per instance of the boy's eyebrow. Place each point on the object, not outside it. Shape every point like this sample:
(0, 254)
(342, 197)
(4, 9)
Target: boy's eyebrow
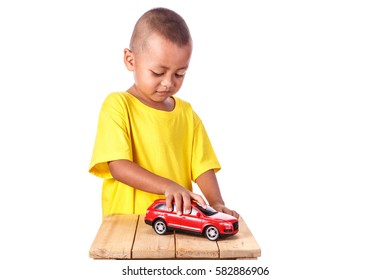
(165, 67)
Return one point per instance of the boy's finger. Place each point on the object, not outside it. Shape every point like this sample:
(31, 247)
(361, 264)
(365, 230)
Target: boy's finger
(199, 199)
(187, 204)
(178, 203)
(168, 202)
(235, 214)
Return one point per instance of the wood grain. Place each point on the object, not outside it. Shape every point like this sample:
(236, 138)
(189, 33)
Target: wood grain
(115, 237)
(195, 247)
(149, 245)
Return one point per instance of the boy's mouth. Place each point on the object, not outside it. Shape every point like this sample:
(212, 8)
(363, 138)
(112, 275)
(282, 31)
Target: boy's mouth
(163, 93)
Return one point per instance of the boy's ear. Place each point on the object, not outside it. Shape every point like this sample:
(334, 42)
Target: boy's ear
(128, 58)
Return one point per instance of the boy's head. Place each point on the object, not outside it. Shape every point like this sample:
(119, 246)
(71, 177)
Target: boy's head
(161, 21)
(159, 55)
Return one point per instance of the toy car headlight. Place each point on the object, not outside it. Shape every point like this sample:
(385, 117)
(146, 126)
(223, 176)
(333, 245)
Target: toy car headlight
(226, 225)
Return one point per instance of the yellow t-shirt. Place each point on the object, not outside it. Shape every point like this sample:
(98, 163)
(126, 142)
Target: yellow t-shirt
(172, 144)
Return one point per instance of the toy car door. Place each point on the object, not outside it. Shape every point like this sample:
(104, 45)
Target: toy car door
(192, 221)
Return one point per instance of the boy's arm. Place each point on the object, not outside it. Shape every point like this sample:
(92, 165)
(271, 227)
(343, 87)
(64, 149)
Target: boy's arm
(208, 184)
(132, 174)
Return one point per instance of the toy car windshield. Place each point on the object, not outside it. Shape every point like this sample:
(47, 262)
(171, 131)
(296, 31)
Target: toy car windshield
(208, 211)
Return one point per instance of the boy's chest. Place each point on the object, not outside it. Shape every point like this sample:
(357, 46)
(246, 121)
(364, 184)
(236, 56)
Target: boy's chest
(161, 131)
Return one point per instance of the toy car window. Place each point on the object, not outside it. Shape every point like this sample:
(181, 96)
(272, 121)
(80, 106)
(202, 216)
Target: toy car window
(193, 212)
(161, 207)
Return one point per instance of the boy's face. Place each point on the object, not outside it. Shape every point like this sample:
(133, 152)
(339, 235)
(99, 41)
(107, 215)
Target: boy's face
(159, 70)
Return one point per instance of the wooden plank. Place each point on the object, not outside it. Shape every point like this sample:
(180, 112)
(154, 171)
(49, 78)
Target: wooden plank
(150, 245)
(195, 247)
(241, 245)
(127, 236)
(115, 237)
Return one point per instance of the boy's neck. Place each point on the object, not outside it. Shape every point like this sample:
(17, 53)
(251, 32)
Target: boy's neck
(167, 105)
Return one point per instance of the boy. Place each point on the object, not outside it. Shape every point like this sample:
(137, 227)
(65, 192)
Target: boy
(150, 144)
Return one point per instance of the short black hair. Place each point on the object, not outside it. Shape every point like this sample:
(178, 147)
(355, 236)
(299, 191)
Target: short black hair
(161, 21)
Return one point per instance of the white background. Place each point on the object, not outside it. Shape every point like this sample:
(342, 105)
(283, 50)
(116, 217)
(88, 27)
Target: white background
(295, 98)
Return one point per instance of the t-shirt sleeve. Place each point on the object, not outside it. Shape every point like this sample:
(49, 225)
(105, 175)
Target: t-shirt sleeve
(203, 155)
(113, 138)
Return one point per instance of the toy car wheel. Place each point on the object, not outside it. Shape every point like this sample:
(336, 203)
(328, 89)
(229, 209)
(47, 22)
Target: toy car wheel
(160, 226)
(212, 233)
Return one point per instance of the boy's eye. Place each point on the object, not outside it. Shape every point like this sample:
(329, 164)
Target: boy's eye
(157, 74)
(181, 75)
(160, 74)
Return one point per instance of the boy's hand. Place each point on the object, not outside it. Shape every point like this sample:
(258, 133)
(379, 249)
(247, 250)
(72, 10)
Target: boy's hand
(222, 208)
(182, 198)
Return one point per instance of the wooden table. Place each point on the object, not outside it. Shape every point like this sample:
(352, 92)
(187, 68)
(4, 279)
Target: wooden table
(128, 237)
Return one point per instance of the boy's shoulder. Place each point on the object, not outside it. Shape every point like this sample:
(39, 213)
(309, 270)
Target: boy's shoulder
(118, 99)
(118, 95)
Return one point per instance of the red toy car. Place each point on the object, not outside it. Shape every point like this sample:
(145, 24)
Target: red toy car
(207, 221)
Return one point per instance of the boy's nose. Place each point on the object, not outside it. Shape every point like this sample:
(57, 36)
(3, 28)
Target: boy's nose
(166, 83)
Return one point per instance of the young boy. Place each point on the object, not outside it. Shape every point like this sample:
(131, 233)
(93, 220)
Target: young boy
(150, 144)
